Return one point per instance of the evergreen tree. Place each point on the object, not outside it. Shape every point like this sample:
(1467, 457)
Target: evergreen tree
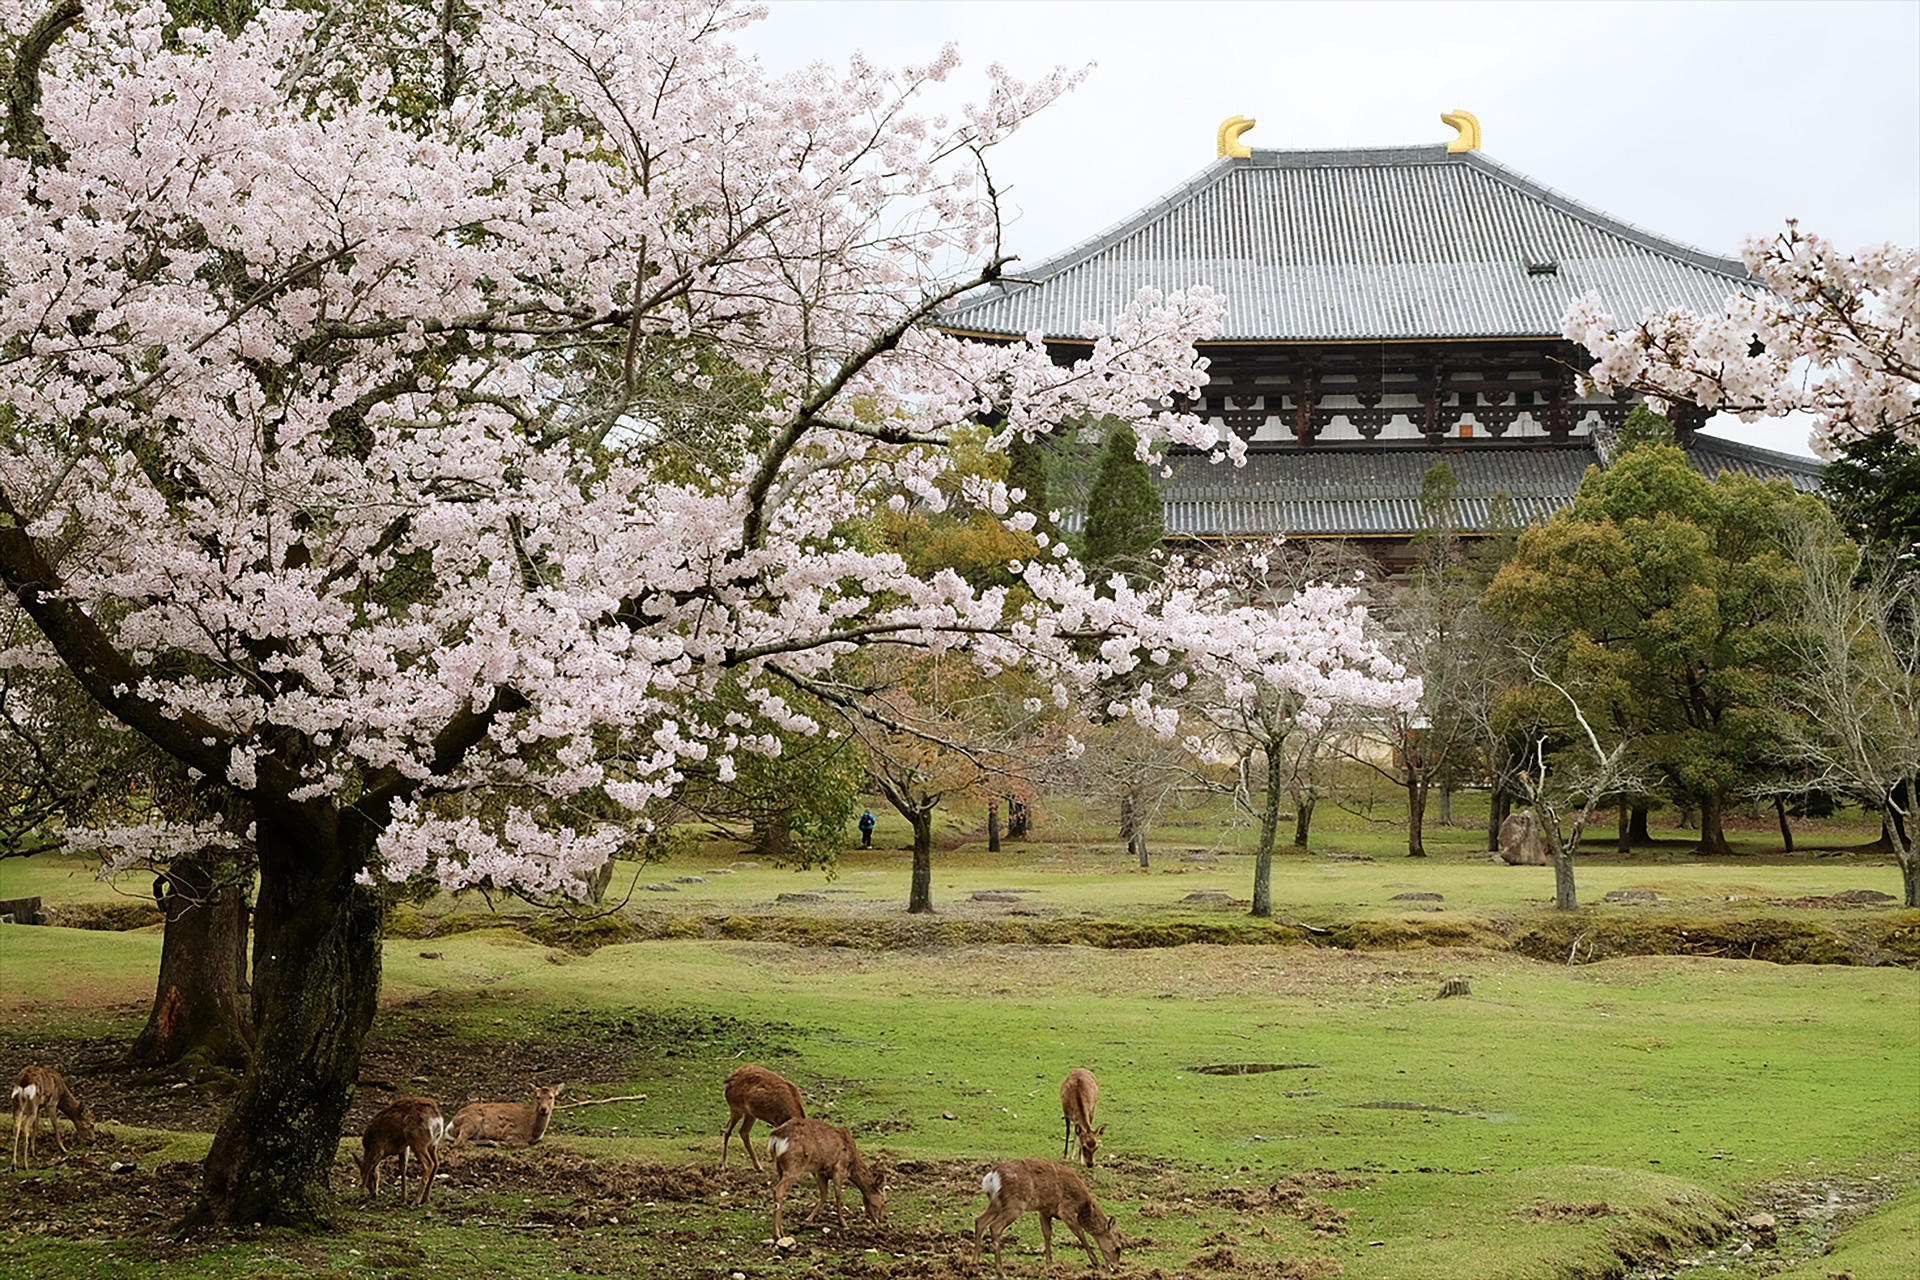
(1124, 517)
(1873, 486)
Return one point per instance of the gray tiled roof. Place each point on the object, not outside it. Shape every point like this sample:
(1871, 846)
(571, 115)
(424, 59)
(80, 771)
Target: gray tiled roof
(1374, 244)
(1369, 491)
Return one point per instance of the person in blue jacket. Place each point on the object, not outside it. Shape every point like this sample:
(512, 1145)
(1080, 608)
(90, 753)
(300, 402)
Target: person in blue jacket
(866, 829)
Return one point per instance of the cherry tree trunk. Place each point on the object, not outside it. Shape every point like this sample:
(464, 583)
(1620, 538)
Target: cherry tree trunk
(920, 892)
(316, 981)
(1416, 816)
(1499, 805)
(1269, 827)
(1786, 828)
(199, 1005)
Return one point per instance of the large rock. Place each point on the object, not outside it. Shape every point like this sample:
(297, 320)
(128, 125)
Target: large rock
(1520, 840)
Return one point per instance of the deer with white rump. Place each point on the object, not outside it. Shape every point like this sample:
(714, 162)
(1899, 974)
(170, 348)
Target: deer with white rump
(42, 1091)
(1053, 1191)
(1078, 1092)
(404, 1125)
(755, 1093)
(510, 1124)
(802, 1146)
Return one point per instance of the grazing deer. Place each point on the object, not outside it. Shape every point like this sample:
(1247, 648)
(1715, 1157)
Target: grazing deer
(801, 1146)
(755, 1093)
(511, 1124)
(39, 1091)
(1053, 1191)
(1078, 1092)
(403, 1125)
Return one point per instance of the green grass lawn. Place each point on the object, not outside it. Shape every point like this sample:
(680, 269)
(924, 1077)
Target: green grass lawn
(1556, 1119)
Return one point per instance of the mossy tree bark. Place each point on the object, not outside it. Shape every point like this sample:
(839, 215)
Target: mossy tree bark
(316, 983)
(200, 1008)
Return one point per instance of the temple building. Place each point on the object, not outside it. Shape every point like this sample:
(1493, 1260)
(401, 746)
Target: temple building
(1386, 309)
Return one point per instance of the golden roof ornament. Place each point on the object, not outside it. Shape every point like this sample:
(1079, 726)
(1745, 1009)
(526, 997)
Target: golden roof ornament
(1228, 141)
(1469, 139)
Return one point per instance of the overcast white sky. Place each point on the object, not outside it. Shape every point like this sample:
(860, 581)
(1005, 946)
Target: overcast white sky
(1702, 122)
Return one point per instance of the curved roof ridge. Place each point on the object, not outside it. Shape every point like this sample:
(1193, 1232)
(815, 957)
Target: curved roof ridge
(1689, 254)
(1358, 244)
(1093, 244)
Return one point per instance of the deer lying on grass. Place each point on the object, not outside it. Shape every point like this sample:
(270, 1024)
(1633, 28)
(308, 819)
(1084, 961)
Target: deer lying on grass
(39, 1091)
(755, 1093)
(511, 1124)
(1053, 1191)
(1078, 1092)
(801, 1146)
(403, 1125)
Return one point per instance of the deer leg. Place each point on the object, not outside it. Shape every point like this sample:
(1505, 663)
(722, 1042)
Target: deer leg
(780, 1190)
(746, 1128)
(839, 1204)
(1046, 1238)
(1081, 1236)
(429, 1165)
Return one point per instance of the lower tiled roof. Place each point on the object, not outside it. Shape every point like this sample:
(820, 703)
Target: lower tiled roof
(1360, 492)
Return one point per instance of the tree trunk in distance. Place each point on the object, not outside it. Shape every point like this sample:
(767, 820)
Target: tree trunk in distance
(1786, 828)
(1565, 898)
(1302, 817)
(1416, 816)
(920, 894)
(199, 1005)
(1263, 852)
(1446, 805)
(1637, 829)
(993, 826)
(1499, 805)
(316, 986)
(1623, 818)
(1713, 835)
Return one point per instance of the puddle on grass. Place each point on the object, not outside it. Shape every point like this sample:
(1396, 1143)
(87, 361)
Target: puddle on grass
(1252, 1068)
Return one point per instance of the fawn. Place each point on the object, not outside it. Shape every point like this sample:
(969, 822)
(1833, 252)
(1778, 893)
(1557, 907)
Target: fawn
(1078, 1092)
(511, 1124)
(403, 1125)
(755, 1093)
(39, 1091)
(801, 1146)
(1053, 1191)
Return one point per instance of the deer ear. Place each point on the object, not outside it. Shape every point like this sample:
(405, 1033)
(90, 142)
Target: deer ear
(1100, 1131)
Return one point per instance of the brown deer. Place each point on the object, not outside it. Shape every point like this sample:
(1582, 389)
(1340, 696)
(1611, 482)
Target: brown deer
(1053, 1191)
(404, 1125)
(755, 1093)
(511, 1124)
(801, 1146)
(39, 1091)
(1078, 1092)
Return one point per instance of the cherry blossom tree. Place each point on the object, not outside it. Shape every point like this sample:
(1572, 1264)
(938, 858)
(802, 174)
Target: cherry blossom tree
(339, 356)
(1289, 657)
(1831, 334)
